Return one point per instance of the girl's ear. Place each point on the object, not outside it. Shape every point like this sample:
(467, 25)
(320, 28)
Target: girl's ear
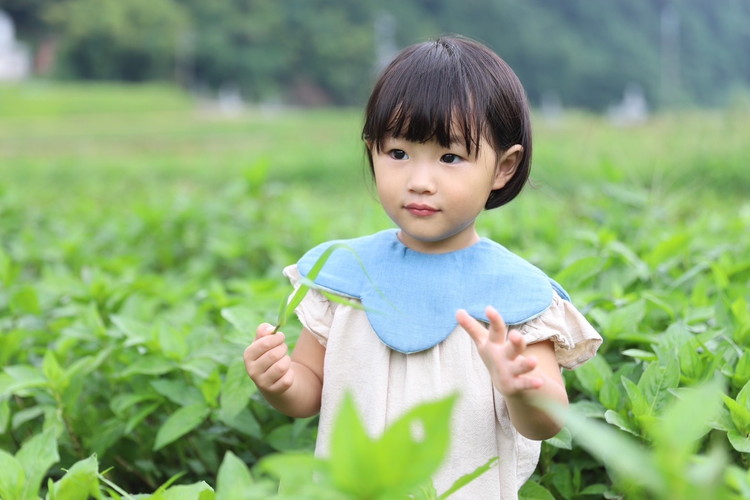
(507, 165)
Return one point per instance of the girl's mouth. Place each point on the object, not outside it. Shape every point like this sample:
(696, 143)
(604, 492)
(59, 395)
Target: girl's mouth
(421, 210)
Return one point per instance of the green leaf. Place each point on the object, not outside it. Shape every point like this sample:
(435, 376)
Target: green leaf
(292, 437)
(56, 376)
(25, 301)
(210, 387)
(406, 456)
(24, 377)
(623, 456)
(740, 442)
(469, 477)
(244, 421)
(593, 374)
(236, 390)
(614, 418)
(657, 380)
(180, 423)
(148, 365)
(297, 473)
(233, 481)
(740, 415)
(136, 332)
(676, 436)
(352, 453)
(242, 318)
(177, 391)
(80, 482)
(534, 491)
(12, 476)
(562, 440)
(639, 405)
(196, 491)
(36, 456)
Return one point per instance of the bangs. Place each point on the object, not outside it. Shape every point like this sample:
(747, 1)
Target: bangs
(424, 98)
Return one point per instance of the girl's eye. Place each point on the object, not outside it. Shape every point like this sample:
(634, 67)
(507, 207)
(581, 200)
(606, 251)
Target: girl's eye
(398, 154)
(451, 159)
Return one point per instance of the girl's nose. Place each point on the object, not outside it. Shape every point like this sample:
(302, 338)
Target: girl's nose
(421, 179)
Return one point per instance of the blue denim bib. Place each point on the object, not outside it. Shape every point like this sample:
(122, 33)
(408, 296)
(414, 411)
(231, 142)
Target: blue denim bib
(411, 298)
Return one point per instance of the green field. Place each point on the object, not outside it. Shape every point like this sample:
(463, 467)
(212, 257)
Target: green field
(142, 236)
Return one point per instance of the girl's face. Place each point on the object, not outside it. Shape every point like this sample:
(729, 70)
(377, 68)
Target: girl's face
(434, 193)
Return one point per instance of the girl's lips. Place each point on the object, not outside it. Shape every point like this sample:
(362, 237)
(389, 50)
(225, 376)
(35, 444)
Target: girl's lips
(421, 210)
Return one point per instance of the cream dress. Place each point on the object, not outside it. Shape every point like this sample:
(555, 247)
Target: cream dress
(386, 383)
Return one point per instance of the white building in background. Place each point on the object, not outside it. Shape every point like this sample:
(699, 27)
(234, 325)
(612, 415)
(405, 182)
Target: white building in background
(15, 61)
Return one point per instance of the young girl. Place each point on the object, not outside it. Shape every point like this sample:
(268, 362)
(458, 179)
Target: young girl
(448, 134)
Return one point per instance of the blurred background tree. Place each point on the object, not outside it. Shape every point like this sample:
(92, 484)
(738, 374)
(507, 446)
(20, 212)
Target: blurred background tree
(326, 52)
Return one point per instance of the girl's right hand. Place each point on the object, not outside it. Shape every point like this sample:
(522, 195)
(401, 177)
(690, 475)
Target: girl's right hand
(267, 361)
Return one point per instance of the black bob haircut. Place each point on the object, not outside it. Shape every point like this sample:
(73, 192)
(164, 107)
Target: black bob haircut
(432, 88)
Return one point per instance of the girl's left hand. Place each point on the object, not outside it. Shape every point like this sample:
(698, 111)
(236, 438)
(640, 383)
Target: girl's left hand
(502, 353)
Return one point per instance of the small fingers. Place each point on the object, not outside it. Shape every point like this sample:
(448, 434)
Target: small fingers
(264, 329)
(498, 330)
(516, 345)
(473, 327)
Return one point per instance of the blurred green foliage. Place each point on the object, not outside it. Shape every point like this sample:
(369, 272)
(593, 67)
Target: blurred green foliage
(323, 52)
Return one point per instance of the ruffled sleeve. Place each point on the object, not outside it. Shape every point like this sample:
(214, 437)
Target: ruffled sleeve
(315, 312)
(574, 338)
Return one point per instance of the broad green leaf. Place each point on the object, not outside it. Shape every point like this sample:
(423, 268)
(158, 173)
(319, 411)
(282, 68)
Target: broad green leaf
(623, 455)
(244, 421)
(352, 453)
(740, 442)
(406, 456)
(236, 390)
(242, 318)
(80, 482)
(656, 381)
(291, 437)
(675, 435)
(196, 491)
(121, 403)
(180, 423)
(740, 415)
(56, 376)
(25, 301)
(148, 364)
(12, 477)
(36, 456)
(593, 374)
(177, 391)
(562, 440)
(639, 405)
(139, 416)
(561, 476)
(24, 377)
(210, 387)
(136, 332)
(234, 481)
(534, 491)
(614, 418)
(413, 447)
(296, 473)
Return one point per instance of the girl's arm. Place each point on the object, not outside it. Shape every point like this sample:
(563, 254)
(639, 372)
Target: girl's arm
(523, 374)
(291, 384)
